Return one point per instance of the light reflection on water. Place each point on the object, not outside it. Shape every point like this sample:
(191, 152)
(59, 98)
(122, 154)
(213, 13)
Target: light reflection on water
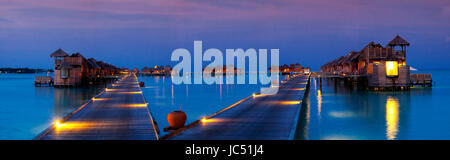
(196, 100)
(392, 108)
(27, 110)
(334, 110)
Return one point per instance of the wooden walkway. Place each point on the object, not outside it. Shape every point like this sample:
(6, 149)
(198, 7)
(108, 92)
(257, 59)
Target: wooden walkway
(254, 118)
(118, 113)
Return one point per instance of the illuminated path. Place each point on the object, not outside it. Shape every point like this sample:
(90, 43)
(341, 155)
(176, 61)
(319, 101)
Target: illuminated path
(255, 118)
(118, 113)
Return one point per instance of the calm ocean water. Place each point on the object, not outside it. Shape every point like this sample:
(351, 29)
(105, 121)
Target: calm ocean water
(334, 112)
(26, 111)
(339, 112)
(195, 100)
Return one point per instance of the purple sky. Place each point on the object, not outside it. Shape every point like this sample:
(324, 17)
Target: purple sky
(137, 33)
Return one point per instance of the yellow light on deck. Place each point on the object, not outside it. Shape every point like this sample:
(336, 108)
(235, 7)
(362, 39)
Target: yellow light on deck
(135, 105)
(99, 99)
(290, 102)
(258, 95)
(285, 102)
(391, 68)
(204, 120)
(109, 90)
(297, 89)
(138, 92)
(58, 124)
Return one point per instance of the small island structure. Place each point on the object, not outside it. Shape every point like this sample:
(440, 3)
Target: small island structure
(76, 70)
(155, 71)
(292, 68)
(377, 67)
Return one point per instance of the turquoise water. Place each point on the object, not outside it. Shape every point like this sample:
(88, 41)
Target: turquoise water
(336, 111)
(196, 100)
(333, 112)
(26, 111)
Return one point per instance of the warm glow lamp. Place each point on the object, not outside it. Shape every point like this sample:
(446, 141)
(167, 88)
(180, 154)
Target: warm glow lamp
(391, 68)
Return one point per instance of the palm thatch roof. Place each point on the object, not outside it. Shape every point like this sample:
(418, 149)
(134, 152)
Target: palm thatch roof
(59, 53)
(398, 41)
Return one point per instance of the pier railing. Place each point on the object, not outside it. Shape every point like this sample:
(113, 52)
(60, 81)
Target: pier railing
(43, 80)
(421, 79)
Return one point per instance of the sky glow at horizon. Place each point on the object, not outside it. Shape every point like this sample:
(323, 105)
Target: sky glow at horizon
(138, 33)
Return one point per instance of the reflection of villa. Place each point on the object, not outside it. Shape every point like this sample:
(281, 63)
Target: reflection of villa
(75, 70)
(377, 65)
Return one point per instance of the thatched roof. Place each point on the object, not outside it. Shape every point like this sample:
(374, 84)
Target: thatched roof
(78, 54)
(64, 65)
(352, 56)
(372, 45)
(398, 41)
(59, 53)
(92, 63)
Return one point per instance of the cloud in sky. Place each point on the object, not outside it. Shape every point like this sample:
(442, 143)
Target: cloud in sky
(159, 13)
(141, 27)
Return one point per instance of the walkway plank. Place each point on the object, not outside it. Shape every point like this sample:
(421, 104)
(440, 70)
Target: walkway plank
(119, 113)
(258, 118)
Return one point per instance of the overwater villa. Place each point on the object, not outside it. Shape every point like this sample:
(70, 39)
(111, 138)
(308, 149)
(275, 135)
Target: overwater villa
(292, 68)
(75, 70)
(377, 66)
(157, 70)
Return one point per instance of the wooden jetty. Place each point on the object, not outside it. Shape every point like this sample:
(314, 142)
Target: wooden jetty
(120, 112)
(258, 117)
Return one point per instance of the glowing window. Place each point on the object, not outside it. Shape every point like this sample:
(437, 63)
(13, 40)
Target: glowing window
(391, 68)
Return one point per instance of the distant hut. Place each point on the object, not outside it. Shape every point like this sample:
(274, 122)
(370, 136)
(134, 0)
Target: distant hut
(298, 68)
(76, 70)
